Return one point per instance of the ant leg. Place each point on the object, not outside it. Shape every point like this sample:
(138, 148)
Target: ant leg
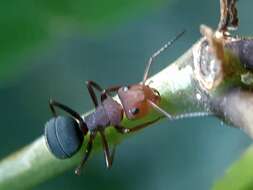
(108, 157)
(73, 113)
(91, 85)
(53, 104)
(125, 130)
(105, 92)
(112, 89)
(87, 153)
(150, 61)
(52, 107)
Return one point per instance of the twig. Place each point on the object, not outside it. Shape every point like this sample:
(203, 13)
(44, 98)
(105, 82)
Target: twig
(215, 75)
(239, 175)
(34, 163)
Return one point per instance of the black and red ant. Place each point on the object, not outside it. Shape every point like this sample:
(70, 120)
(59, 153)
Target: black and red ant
(64, 135)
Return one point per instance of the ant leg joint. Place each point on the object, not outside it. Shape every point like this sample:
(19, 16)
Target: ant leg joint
(87, 82)
(122, 130)
(103, 95)
(126, 130)
(50, 100)
(51, 106)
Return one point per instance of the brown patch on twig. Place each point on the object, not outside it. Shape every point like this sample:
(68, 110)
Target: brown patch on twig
(215, 41)
(209, 58)
(228, 16)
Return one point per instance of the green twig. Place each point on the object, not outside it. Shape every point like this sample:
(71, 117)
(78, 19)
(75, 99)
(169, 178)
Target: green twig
(240, 175)
(34, 164)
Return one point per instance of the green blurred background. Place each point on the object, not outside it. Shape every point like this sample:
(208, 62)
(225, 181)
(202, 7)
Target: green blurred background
(49, 48)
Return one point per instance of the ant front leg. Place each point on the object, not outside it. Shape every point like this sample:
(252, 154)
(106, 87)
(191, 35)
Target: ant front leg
(125, 130)
(108, 157)
(87, 153)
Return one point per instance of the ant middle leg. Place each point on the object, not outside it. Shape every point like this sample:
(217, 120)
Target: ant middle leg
(106, 91)
(108, 157)
(90, 86)
(53, 104)
(87, 153)
(74, 114)
(125, 130)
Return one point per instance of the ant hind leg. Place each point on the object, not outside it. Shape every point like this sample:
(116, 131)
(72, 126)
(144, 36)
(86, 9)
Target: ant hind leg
(74, 114)
(87, 153)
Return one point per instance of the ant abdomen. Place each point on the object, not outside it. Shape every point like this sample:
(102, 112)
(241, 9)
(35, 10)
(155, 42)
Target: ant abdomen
(63, 136)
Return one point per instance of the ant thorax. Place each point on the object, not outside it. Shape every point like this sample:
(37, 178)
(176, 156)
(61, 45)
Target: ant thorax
(114, 110)
(135, 100)
(109, 112)
(97, 118)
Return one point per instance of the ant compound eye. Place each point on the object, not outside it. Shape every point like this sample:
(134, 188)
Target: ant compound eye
(134, 111)
(125, 88)
(156, 92)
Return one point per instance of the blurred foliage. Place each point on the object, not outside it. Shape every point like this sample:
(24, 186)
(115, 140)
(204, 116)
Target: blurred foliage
(239, 176)
(26, 24)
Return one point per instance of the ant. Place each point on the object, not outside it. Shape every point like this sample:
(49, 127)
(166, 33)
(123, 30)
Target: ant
(65, 134)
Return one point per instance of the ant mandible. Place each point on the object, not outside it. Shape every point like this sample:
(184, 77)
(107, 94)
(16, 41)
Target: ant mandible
(64, 135)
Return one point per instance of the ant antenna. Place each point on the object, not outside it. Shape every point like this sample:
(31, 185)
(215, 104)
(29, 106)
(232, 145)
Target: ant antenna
(181, 116)
(193, 114)
(150, 61)
(160, 110)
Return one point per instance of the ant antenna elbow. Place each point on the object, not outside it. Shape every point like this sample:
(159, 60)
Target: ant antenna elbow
(150, 61)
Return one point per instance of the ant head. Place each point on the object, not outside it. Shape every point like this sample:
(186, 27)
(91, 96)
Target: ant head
(135, 100)
(63, 136)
